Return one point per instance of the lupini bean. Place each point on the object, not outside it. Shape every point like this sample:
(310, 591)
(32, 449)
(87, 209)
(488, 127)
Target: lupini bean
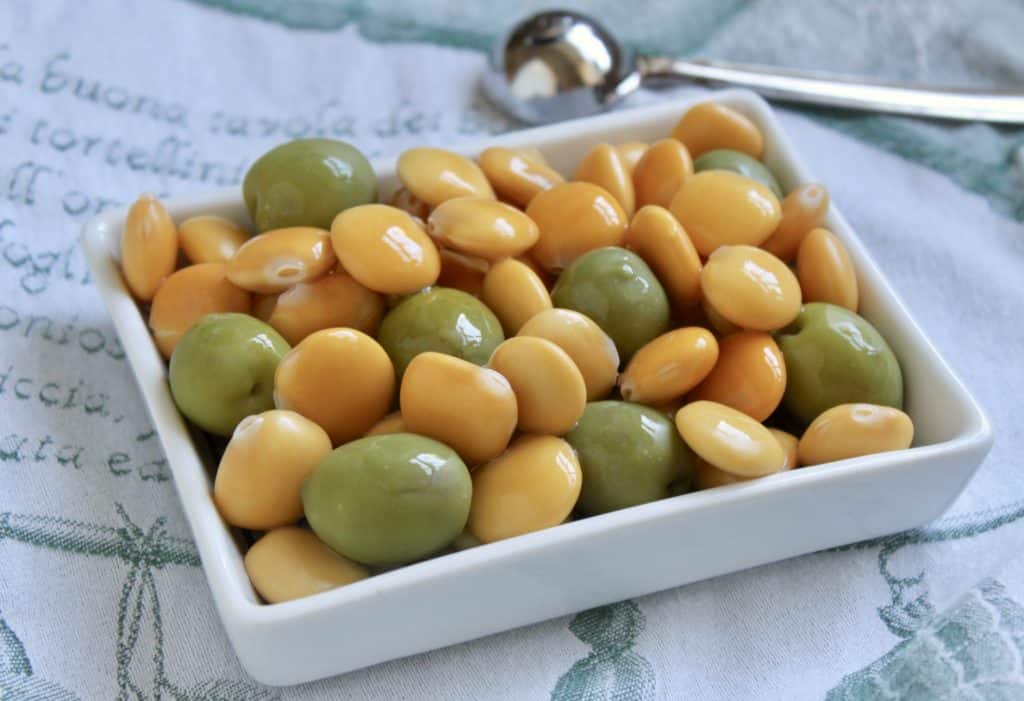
(660, 172)
(274, 261)
(462, 272)
(470, 408)
(149, 247)
(803, 209)
(706, 475)
(853, 430)
(751, 288)
(603, 165)
(710, 126)
(589, 347)
(549, 388)
(482, 227)
(669, 366)
(392, 423)
(750, 375)
(330, 301)
(259, 479)
(729, 440)
(188, 295)
(340, 378)
(435, 175)
(409, 203)
(515, 293)
(631, 152)
(722, 208)
(825, 271)
(210, 239)
(532, 486)
(517, 176)
(291, 563)
(574, 218)
(656, 236)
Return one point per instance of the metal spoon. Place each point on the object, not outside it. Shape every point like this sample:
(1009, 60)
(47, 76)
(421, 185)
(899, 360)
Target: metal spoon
(559, 65)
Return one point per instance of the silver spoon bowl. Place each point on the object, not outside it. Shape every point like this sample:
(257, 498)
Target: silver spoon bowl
(560, 65)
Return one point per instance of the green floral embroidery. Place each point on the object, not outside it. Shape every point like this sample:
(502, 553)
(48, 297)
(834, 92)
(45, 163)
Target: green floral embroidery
(613, 671)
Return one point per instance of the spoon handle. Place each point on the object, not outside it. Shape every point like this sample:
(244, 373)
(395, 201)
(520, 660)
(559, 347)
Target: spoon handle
(1006, 106)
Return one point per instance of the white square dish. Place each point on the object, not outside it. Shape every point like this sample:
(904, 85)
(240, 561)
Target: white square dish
(584, 563)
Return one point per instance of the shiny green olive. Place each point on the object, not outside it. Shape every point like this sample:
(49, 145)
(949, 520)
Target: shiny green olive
(630, 454)
(306, 183)
(834, 356)
(443, 320)
(222, 370)
(616, 289)
(388, 499)
(737, 162)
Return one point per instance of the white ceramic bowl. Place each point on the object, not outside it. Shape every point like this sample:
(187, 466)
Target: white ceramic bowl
(589, 562)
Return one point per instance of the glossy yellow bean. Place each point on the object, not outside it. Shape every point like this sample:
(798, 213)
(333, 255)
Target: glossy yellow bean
(661, 171)
(589, 347)
(482, 227)
(517, 175)
(658, 238)
(330, 301)
(210, 239)
(631, 152)
(574, 218)
(709, 126)
(472, 409)
(729, 440)
(750, 375)
(669, 366)
(603, 165)
(149, 247)
(532, 486)
(392, 423)
(291, 563)
(274, 261)
(462, 272)
(722, 208)
(515, 293)
(751, 288)
(434, 175)
(385, 249)
(550, 392)
(853, 430)
(825, 271)
(409, 203)
(803, 209)
(187, 296)
(706, 475)
(339, 378)
(259, 479)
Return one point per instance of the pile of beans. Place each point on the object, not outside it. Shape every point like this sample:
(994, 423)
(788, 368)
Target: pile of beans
(498, 350)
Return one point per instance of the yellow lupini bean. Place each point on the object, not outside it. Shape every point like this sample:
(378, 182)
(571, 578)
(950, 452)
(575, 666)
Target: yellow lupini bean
(631, 152)
(532, 486)
(854, 430)
(259, 479)
(392, 423)
(339, 378)
(574, 218)
(789, 444)
(709, 126)
(385, 249)
(549, 388)
(462, 272)
(586, 343)
(187, 296)
(483, 227)
(660, 172)
(409, 203)
(434, 175)
(603, 165)
(729, 440)
(658, 238)
(330, 301)
(722, 208)
(825, 271)
(803, 209)
(274, 261)
(291, 563)
(210, 239)
(751, 288)
(515, 293)
(706, 475)
(149, 247)
(517, 176)
(669, 366)
(750, 375)
(472, 409)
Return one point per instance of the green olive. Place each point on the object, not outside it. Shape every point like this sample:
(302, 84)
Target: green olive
(388, 499)
(442, 320)
(630, 454)
(306, 183)
(834, 356)
(738, 162)
(616, 289)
